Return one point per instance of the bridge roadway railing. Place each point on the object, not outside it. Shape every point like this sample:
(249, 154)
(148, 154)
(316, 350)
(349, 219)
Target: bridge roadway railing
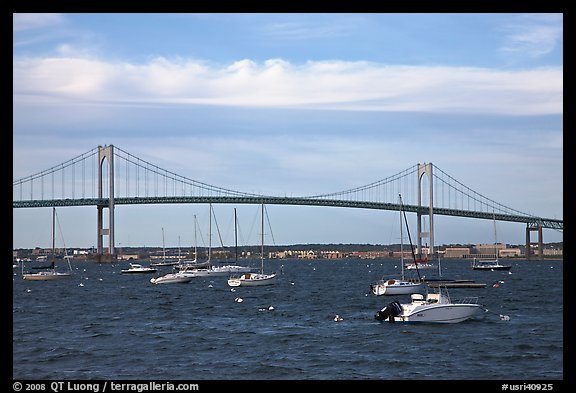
(300, 201)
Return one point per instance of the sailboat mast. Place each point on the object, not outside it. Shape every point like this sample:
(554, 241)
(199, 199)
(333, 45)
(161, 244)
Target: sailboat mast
(262, 242)
(195, 241)
(401, 238)
(410, 239)
(53, 230)
(495, 237)
(235, 236)
(163, 247)
(53, 236)
(210, 236)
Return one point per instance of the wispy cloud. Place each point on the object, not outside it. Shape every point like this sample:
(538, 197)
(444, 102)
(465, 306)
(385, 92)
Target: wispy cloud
(302, 30)
(341, 85)
(533, 34)
(21, 22)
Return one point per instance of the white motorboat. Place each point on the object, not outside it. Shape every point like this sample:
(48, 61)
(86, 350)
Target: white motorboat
(138, 268)
(171, 278)
(435, 308)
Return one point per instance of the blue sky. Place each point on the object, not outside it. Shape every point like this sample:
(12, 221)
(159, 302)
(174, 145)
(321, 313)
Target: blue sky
(294, 104)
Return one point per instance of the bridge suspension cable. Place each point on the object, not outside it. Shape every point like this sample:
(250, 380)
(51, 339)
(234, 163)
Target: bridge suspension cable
(451, 193)
(187, 186)
(137, 181)
(59, 170)
(384, 190)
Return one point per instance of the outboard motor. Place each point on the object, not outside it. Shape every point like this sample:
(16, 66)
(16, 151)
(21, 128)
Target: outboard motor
(391, 310)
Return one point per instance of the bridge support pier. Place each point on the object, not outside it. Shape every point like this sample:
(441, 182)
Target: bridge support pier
(106, 152)
(531, 228)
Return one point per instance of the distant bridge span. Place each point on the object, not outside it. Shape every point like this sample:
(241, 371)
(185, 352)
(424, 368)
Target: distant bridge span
(296, 201)
(115, 177)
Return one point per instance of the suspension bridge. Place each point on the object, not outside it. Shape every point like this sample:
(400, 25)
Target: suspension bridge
(107, 176)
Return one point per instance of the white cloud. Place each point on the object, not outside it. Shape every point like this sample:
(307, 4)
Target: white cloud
(21, 22)
(304, 31)
(277, 83)
(533, 34)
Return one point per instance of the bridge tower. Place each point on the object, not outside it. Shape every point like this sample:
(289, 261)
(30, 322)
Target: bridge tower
(106, 153)
(425, 169)
(531, 227)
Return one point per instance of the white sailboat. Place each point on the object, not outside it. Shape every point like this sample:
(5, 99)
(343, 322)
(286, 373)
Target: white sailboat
(235, 268)
(420, 264)
(164, 261)
(209, 270)
(170, 278)
(490, 264)
(51, 274)
(398, 286)
(188, 264)
(255, 279)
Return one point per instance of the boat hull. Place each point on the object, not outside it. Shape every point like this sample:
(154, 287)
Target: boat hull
(160, 264)
(496, 267)
(421, 266)
(136, 268)
(191, 265)
(204, 273)
(138, 271)
(44, 276)
(171, 279)
(252, 280)
(441, 313)
(395, 287)
(237, 269)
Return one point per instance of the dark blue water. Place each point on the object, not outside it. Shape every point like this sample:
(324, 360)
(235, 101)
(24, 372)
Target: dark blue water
(122, 327)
